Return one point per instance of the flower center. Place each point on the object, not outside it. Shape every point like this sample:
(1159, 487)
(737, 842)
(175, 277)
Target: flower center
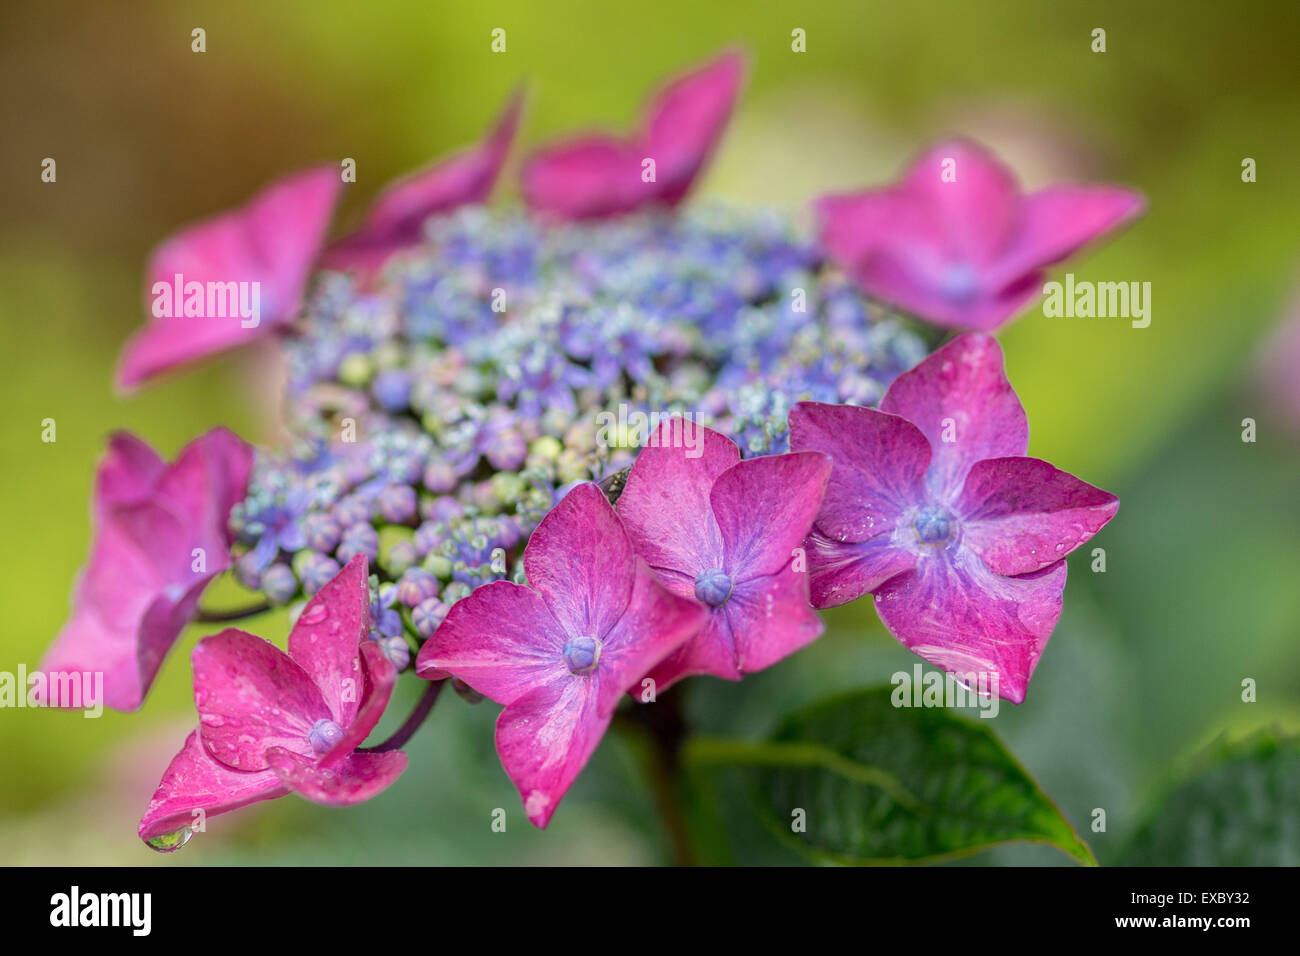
(959, 282)
(581, 654)
(323, 735)
(713, 587)
(933, 525)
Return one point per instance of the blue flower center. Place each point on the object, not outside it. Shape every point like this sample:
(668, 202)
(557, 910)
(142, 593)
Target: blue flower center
(323, 735)
(933, 525)
(581, 654)
(959, 282)
(713, 587)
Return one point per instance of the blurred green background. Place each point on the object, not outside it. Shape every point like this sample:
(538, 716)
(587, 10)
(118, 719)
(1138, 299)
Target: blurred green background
(1147, 663)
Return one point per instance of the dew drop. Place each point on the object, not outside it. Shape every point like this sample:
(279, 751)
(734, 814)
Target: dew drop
(314, 613)
(170, 842)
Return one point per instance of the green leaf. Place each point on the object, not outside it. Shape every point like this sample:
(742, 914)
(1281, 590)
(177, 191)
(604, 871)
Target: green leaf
(1239, 806)
(884, 785)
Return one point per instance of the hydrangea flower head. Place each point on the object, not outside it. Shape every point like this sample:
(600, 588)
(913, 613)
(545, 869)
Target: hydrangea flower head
(160, 537)
(483, 408)
(560, 652)
(933, 506)
(272, 723)
(727, 533)
(957, 243)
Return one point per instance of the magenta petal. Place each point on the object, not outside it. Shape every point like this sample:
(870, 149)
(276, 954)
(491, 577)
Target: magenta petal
(654, 624)
(1022, 514)
(326, 640)
(879, 462)
(712, 651)
(545, 738)
(139, 587)
(250, 696)
(209, 478)
(960, 199)
(956, 243)
(594, 176)
(843, 571)
(764, 508)
(128, 472)
(957, 614)
(194, 782)
(501, 640)
(686, 120)
(961, 400)
(126, 634)
(1058, 220)
(379, 677)
(589, 178)
(771, 618)
(274, 241)
(931, 244)
(398, 215)
(352, 780)
(581, 562)
(921, 284)
(666, 504)
(853, 226)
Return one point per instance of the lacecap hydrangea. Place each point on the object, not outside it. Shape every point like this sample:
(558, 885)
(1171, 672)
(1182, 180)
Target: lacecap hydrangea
(472, 388)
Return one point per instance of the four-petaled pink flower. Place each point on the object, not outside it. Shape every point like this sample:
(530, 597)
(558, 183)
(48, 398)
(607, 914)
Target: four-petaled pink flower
(933, 506)
(957, 243)
(561, 652)
(272, 723)
(728, 533)
(598, 175)
(160, 536)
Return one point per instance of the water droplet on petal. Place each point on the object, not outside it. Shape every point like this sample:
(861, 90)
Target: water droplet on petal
(170, 842)
(314, 613)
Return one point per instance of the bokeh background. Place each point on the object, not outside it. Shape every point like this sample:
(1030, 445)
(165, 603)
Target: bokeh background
(1147, 663)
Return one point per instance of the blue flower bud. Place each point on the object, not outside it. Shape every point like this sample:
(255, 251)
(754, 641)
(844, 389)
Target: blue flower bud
(454, 591)
(392, 389)
(247, 572)
(396, 650)
(428, 614)
(581, 654)
(427, 537)
(321, 531)
(417, 585)
(323, 735)
(358, 539)
(397, 504)
(713, 587)
(279, 584)
(317, 571)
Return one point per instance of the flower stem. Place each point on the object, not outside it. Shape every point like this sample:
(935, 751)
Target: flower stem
(412, 723)
(664, 727)
(217, 617)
